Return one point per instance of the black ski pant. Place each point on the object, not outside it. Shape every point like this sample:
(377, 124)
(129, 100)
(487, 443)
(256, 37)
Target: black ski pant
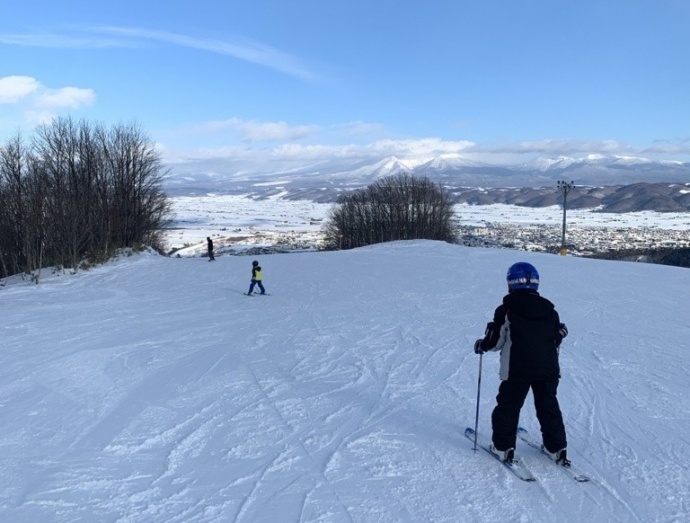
(506, 415)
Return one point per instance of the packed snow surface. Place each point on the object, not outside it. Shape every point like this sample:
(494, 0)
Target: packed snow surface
(151, 389)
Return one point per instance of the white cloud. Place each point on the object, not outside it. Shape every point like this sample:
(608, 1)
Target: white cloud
(412, 148)
(667, 148)
(72, 97)
(560, 147)
(422, 147)
(248, 144)
(35, 118)
(15, 88)
(254, 131)
(29, 102)
(288, 155)
(275, 131)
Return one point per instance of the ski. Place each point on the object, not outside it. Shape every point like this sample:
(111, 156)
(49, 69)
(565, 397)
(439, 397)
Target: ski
(516, 467)
(525, 436)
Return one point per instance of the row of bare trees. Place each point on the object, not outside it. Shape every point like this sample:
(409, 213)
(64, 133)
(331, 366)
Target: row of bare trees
(77, 191)
(400, 207)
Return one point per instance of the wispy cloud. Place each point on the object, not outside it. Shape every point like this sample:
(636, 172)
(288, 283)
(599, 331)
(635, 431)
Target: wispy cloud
(254, 131)
(65, 97)
(96, 37)
(240, 48)
(63, 41)
(562, 147)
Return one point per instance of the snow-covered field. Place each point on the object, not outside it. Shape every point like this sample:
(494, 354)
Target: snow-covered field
(152, 390)
(237, 222)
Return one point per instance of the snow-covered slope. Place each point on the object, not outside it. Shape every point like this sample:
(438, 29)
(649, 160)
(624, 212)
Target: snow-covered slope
(152, 390)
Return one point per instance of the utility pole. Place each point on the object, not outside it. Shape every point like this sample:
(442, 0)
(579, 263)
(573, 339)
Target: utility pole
(564, 187)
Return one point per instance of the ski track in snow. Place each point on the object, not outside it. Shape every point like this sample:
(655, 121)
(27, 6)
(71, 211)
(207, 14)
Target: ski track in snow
(150, 389)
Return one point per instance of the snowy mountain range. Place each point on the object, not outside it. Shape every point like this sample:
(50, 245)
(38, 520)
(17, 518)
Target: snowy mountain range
(639, 193)
(593, 170)
(656, 185)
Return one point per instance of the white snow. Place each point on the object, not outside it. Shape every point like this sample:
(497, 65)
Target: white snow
(151, 390)
(237, 220)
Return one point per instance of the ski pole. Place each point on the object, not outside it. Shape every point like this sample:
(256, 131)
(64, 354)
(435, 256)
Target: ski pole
(479, 389)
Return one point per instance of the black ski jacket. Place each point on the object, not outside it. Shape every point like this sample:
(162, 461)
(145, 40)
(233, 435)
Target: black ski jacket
(525, 329)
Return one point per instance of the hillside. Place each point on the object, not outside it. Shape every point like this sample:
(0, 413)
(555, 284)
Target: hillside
(152, 390)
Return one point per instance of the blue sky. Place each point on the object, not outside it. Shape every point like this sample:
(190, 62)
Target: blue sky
(492, 80)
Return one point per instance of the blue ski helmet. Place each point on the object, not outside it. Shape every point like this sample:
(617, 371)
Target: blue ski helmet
(522, 275)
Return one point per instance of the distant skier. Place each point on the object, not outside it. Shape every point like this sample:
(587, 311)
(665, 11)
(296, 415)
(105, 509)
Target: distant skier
(527, 330)
(257, 276)
(209, 242)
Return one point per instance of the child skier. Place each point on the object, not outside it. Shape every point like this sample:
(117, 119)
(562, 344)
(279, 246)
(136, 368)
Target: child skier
(527, 330)
(257, 276)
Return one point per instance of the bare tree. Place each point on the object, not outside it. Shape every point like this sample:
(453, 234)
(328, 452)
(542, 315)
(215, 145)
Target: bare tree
(59, 156)
(394, 208)
(78, 191)
(12, 212)
(139, 208)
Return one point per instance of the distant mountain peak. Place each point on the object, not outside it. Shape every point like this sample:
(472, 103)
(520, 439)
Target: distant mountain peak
(560, 162)
(449, 161)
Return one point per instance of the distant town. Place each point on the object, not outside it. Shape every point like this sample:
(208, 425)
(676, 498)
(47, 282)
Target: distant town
(580, 241)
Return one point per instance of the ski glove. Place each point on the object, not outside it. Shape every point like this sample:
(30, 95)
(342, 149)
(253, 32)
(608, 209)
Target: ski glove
(478, 346)
(562, 330)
